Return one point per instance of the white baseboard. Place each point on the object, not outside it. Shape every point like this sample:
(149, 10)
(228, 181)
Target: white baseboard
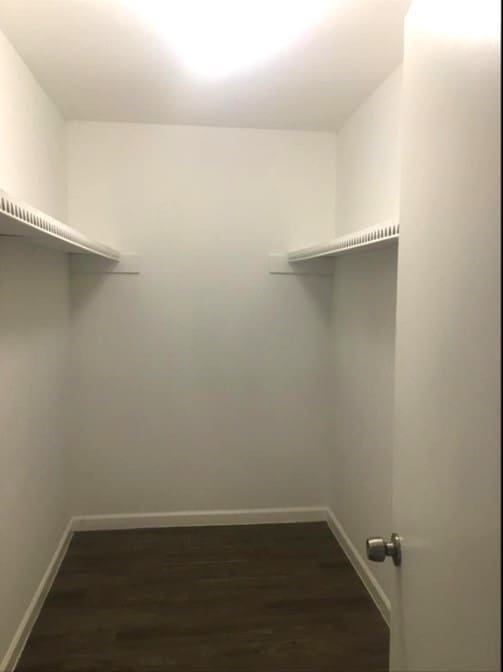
(360, 566)
(143, 520)
(130, 521)
(183, 519)
(22, 633)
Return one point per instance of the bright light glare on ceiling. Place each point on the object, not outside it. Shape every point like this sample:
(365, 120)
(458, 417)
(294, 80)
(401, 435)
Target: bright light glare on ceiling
(472, 19)
(214, 38)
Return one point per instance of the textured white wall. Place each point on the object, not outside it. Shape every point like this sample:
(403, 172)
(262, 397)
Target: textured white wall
(34, 315)
(363, 324)
(201, 383)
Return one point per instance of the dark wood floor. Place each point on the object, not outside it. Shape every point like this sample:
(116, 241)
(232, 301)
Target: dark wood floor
(260, 598)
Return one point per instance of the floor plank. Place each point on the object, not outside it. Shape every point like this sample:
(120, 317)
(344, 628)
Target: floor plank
(254, 598)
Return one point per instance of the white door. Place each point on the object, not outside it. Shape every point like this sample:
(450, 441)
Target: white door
(445, 614)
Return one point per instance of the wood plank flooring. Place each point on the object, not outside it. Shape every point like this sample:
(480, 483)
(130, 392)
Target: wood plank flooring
(254, 598)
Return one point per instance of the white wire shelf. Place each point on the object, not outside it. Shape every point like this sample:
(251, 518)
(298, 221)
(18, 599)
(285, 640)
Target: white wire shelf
(379, 235)
(22, 220)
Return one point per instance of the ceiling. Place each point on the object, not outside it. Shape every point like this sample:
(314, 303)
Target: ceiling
(101, 60)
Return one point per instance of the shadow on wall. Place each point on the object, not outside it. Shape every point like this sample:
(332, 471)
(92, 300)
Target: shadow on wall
(33, 291)
(320, 290)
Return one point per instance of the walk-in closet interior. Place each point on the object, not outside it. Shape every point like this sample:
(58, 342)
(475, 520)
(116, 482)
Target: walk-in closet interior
(249, 319)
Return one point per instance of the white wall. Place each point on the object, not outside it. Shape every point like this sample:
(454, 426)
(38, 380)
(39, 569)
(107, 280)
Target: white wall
(203, 382)
(363, 324)
(199, 384)
(32, 160)
(368, 160)
(34, 315)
